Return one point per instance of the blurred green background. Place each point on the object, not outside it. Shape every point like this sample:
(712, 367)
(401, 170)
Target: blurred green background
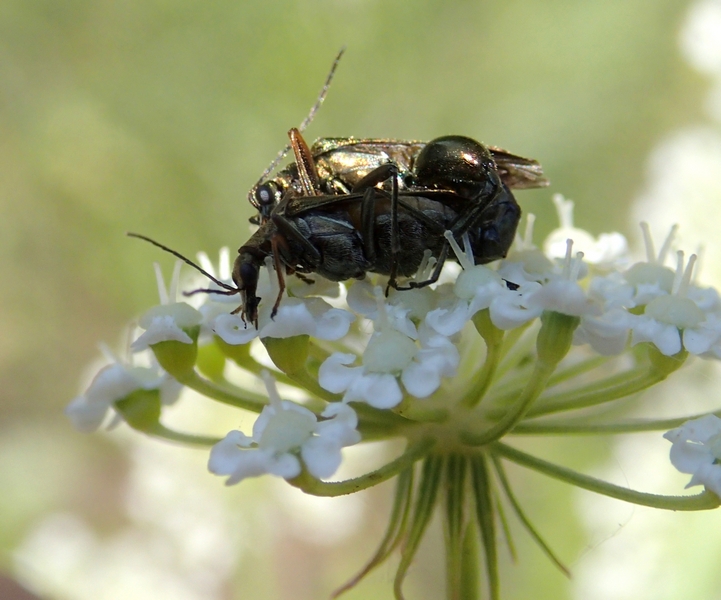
(157, 116)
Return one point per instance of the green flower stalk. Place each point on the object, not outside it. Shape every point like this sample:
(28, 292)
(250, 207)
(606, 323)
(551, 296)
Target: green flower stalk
(457, 370)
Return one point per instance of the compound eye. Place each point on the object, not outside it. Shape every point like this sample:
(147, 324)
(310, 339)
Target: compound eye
(266, 194)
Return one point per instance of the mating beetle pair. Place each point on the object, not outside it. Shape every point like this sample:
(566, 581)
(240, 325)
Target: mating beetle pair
(350, 206)
(346, 207)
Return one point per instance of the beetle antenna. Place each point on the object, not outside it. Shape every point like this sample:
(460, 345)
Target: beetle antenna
(323, 92)
(230, 290)
(307, 121)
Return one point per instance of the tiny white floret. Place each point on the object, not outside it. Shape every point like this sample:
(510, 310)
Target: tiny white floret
(696, 450)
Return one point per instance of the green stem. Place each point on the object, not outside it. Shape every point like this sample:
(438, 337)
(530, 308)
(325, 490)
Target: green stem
(471, 558)
(394, 533)
(535, 385)
(545, 548)
(554, 427)
(503, 394)
(454, 483)
(418, 411)
(704, 501)
(426, 494)
(580, 368)
(563, 398)
(572, 401)
(486, 521)
(515, 348)
(160, 431)
(226, 394)
(613, 384)
(314, 487)
(493, 338)
(483, 378)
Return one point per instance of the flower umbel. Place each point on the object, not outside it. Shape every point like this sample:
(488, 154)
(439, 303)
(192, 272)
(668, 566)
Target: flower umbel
(456, 369)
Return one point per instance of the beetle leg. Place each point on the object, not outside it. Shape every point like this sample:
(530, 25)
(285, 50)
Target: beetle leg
(367, 229)
(289, 230)
(303, 278)
(466, 220)
(278, 264)
(395, 241)
(378, 175)
(414, 285)
(368, 183)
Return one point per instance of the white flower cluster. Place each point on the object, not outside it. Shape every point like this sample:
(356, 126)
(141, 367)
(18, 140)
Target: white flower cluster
(405, 344)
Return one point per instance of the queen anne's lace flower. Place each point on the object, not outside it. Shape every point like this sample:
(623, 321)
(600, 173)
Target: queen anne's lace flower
(283, 434)
(504, 332)
(114, 382)
(418, 360)
(674, 321)
(296, 316)
(608, 250)
(171, 320)
(478, 288)
(696, 450)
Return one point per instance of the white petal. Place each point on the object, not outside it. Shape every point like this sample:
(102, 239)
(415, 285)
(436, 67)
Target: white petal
(231, 457)
(707, 299)
(340, 425)
(170, 390)
(116, 381)
(233, 330)
(699, 430)
(293, 318)
(419, 380)
(86, 416)
(286, 466)
(321, 456)
(699, 340)
(688, 458)
(710, 476)
(666, 338)
(507, 312)
(449, 321)
(161, 329)
(361, 298)
(286, 430)
(563, 296)
(607, 334)
(380, 390)
(334, 324)
(334, 376)
(181, 313)
(668, 341)
(399, 320)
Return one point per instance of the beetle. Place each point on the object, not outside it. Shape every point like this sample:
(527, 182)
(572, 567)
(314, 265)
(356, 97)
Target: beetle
(341, 217)
(337, 165)
(343, 211)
